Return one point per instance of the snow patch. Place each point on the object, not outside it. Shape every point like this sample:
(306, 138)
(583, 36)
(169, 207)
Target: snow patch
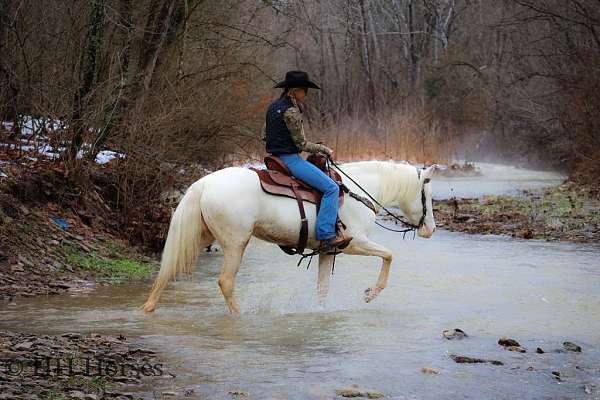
(107, 155)
(35, 139)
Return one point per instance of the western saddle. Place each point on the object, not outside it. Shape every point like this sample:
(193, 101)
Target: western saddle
(277, 180)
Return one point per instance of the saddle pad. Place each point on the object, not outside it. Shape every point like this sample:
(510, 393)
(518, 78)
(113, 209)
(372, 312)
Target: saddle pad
(278, 184)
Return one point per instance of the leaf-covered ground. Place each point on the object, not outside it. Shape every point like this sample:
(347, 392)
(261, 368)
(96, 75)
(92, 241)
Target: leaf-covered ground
(568, 212)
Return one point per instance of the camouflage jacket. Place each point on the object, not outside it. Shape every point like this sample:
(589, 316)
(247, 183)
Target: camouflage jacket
(293, 121)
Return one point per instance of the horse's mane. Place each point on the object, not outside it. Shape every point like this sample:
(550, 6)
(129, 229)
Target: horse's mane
(399, 183)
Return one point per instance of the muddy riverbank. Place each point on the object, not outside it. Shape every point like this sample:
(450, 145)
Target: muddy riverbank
(45, 250)
(568, 212)
(77, 366)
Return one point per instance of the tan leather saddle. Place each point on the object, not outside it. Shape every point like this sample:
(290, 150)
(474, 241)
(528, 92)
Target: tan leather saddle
(277, 180)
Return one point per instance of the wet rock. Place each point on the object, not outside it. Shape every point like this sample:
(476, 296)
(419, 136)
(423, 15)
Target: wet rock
(507, 342)
(471, 360)
(427, 370)
(556, 375)
(240, 393)
(455, 333)
(539, 350)
(588, 388)
(356, 391)
(349, 392)
(516, 349)
(530, 368)
(570, 346)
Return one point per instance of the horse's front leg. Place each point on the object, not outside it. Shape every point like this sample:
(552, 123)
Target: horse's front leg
(325, 264)
(361, 246)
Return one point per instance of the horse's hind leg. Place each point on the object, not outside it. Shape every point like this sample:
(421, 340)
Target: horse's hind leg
(231, 265)
(325, 264)
(364, 247)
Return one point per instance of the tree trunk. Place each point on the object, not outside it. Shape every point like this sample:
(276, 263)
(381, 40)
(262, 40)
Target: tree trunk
(366, 57)
(94, 44)
(115, 114)
(151, 53)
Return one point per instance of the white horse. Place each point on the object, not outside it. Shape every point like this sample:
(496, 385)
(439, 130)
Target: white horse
(230, 206)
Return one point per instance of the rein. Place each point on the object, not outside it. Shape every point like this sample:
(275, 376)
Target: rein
(410, 226)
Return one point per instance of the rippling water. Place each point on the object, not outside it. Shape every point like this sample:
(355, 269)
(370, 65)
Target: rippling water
(287, 346)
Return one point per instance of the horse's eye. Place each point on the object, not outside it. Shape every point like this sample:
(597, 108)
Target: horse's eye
(427, 180)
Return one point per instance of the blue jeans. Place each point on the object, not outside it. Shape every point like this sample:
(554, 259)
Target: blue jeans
(307, 172)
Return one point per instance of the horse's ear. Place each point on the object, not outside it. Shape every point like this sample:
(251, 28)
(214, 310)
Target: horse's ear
(428, 172)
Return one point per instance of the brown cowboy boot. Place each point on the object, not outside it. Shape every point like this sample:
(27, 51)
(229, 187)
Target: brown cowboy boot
(341, 230)
(340, 241)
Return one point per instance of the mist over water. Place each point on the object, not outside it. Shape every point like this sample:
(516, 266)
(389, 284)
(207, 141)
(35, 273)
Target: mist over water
(496, 179)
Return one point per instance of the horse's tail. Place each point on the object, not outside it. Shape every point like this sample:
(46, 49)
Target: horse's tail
(188, 234)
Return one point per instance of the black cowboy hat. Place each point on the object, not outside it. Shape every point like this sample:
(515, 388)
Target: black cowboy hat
(297, 79)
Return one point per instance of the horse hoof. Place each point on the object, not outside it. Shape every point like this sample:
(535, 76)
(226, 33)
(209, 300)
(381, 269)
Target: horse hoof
(149, 307)
(371, 294)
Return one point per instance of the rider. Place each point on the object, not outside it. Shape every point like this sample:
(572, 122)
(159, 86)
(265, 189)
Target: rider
(284, 134)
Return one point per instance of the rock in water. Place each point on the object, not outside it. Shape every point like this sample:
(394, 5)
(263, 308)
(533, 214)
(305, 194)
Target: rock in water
(539, 350)
(241, 393)
(355, 391)
(454, 334)
(427, 370)
(471, 360)
(570, 346)
(516, 349)
(349, 392)
(507, 342)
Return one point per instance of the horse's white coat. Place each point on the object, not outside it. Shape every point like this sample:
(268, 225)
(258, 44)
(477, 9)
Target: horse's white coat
(230, 206)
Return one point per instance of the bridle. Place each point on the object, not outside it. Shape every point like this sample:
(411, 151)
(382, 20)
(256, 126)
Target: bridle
(423, 198)
(409, 225)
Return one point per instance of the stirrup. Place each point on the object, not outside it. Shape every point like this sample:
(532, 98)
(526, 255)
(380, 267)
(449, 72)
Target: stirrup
(326, 246)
